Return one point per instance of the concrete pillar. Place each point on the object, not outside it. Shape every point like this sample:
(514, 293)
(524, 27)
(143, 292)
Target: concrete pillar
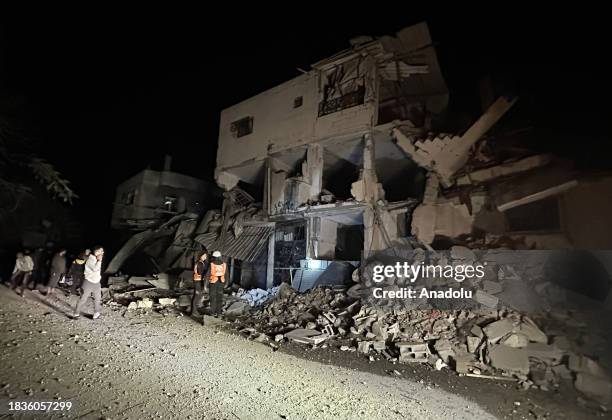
(314, 160)
(270, 267)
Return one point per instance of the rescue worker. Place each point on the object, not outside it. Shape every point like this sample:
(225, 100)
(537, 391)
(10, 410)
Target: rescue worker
(77, 271)
(58, 269)
(91, 284)
(24, 265)
(200, 269)
(216, 280)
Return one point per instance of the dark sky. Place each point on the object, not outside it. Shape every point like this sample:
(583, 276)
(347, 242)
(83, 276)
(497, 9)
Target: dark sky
(108, 98)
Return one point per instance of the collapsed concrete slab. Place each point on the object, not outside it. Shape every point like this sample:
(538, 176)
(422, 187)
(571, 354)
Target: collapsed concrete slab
(509, 359)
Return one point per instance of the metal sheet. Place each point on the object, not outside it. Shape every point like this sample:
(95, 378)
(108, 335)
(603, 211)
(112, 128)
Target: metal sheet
(249, 245)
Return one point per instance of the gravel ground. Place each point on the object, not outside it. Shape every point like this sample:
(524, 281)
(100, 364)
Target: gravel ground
(153, 366)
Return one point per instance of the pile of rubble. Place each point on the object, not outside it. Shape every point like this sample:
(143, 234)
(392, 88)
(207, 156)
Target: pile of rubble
(499, 344)
(256, 297)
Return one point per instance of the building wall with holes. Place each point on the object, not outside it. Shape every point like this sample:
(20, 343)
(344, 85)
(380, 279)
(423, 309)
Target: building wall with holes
(288, 116)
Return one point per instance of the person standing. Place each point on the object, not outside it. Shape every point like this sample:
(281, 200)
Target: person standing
(58, 269)
(77, 271)
(91, 284)
(200, 269)
(24, 265)
(217, 280)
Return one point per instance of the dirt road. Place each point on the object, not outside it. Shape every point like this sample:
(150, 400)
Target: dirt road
(127, 365)
(171, 367)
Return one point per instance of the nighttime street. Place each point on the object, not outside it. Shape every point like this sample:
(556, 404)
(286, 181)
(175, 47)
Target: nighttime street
(376, 215)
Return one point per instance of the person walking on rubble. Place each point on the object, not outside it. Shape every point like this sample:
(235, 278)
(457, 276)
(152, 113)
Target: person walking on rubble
(91, 284)
(77, 271)
(58, 269)
(24, 265)
(216, 280)
(200, 269)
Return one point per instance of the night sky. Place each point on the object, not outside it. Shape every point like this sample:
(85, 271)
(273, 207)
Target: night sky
(108, 98)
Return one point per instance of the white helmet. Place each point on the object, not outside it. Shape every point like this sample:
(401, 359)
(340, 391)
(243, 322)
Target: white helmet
(217, 254)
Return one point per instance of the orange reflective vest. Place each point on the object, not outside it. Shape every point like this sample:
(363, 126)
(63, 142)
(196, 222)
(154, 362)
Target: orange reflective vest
(217, 271)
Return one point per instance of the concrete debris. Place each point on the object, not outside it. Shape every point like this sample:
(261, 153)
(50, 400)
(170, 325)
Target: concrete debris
(531, 330)
(509, 359)
(364, 347)
(473, 343)
(492, 287)
(145, 303)
(236, 309)
(166, 301)
(413, 352)
(498, 329)
(516, 341)
(544, 352)
(595, 387)
(256, 297)
(301, 335)
(487, 343)
(582, 364)
(486, 299)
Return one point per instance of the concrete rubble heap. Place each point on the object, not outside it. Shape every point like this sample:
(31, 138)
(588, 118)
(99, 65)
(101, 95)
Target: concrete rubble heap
(500, 344)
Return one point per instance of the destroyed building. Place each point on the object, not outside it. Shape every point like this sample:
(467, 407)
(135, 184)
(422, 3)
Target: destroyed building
(151, 197)
(350, 158)
(353, 158)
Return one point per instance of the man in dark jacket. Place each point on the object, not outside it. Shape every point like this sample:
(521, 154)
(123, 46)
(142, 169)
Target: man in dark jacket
(199, 277)
(58, 269)
(77, 271)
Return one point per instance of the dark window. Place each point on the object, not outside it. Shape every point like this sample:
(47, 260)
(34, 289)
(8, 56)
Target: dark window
(242, 127)
(345, 101)
(129, 197)
(170, 203)
(297, 102)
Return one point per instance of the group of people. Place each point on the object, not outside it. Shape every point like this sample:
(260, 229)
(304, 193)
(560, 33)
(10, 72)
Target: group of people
(85, 272)
(212, 271)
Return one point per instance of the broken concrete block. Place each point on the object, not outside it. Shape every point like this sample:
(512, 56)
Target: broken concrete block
(486, 299)
(316, 339)
(531, 330)
(330, 316)
(498, 329)
(477, 331)
(492, 287)
(597, 388)
(132, 306)
(379, 345)
(582, 364)
(544, 352)
(329, 330)
(364, 347)
(299, 335)
(237, 308)
(380, 330)
(509, 359)
(464, 363)
(166, 301)
(515, 340)
(473, 343)
(444, 349)
(311, 325)
(145, 303)
(413, 352)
